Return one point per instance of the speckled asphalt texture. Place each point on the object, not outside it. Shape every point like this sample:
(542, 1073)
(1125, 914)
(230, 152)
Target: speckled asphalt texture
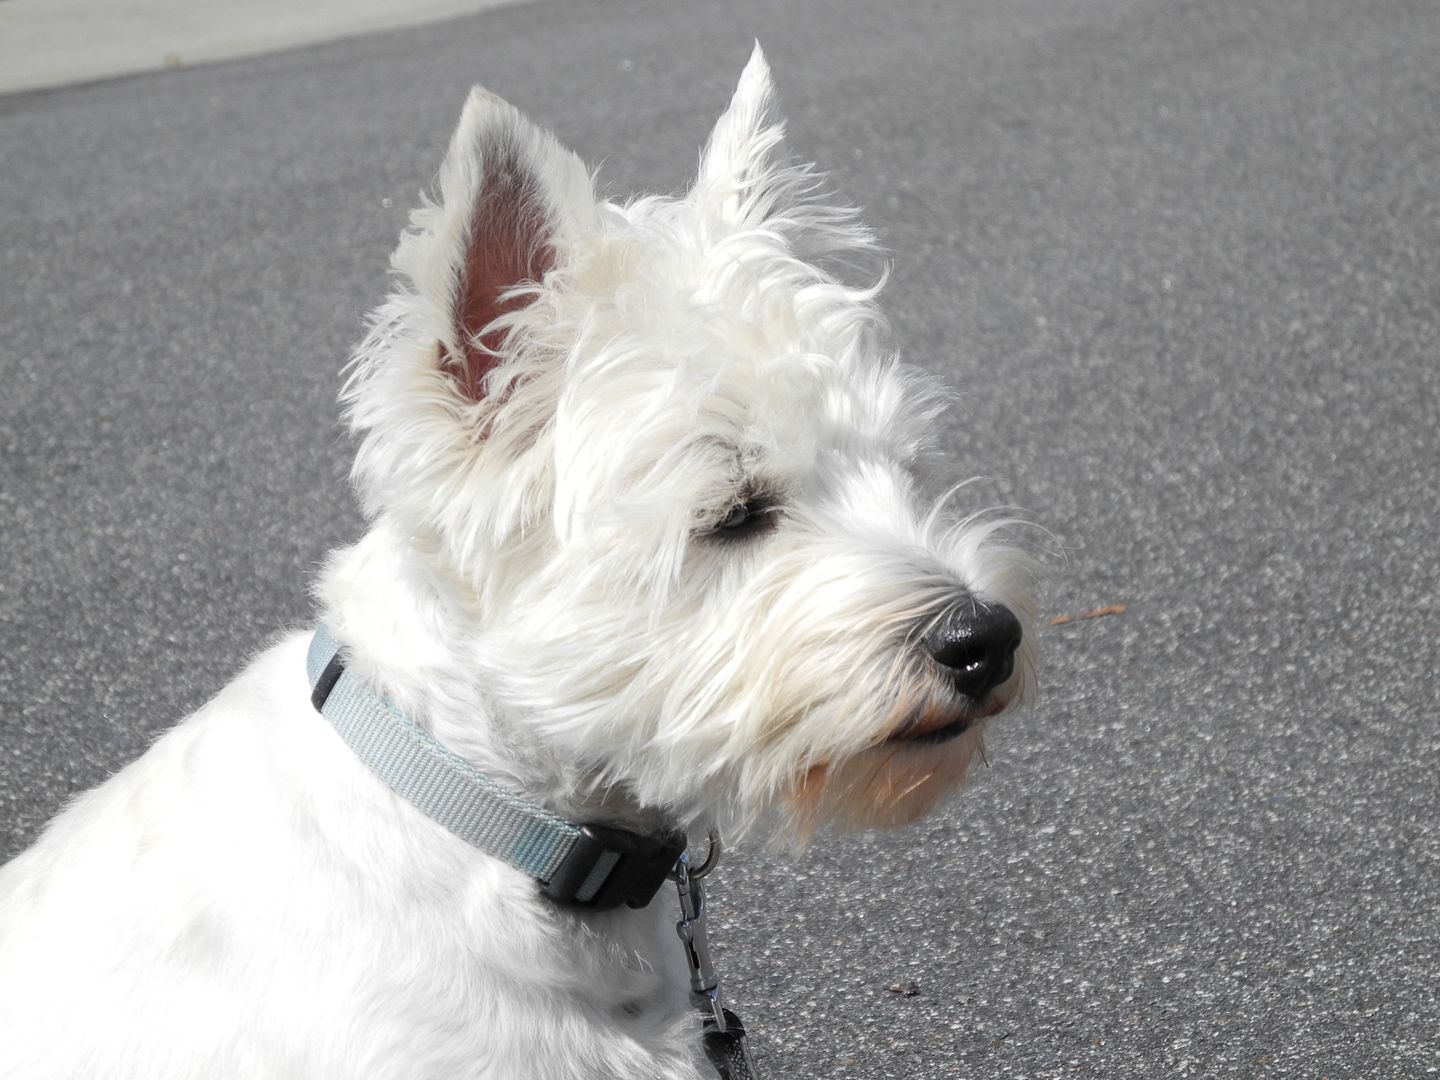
(1182, 258)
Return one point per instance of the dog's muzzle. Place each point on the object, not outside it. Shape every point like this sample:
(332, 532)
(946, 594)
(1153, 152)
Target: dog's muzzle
(973, 651)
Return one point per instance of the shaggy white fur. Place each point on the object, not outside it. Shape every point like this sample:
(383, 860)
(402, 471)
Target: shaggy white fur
(646, 546)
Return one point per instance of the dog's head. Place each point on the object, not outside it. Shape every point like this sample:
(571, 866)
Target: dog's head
(663, 462)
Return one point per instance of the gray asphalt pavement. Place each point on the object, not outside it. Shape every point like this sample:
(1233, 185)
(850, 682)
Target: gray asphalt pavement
(1182, 258)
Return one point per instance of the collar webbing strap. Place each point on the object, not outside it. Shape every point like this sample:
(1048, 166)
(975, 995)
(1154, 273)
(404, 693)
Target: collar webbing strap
(591, 866)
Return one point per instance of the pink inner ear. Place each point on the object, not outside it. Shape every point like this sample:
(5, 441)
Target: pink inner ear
(508, 244)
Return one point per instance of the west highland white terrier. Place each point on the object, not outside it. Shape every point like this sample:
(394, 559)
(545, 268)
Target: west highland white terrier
(646, 554)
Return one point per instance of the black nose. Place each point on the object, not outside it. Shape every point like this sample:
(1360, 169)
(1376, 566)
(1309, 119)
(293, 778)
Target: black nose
(975, 646)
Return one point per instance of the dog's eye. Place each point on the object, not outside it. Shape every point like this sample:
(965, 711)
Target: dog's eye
(746, 519)
(737, 517)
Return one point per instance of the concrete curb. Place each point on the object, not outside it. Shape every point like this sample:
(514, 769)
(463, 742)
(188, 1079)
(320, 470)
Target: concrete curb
(46, 43)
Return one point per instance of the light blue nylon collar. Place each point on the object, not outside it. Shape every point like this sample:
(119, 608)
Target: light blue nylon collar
(444, 786)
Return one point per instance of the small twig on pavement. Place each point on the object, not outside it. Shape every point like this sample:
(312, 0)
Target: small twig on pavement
(1099, 612)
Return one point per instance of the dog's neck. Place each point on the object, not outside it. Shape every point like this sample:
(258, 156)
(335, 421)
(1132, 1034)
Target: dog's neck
(407, 637)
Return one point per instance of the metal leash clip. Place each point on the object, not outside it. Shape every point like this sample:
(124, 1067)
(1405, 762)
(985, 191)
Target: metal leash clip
(724, 1034)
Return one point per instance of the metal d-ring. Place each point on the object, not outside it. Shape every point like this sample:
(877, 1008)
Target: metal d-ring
(712, 857)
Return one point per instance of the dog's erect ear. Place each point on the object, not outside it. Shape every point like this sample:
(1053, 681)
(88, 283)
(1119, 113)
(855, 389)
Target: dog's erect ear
(513, 205)
(737, 160)
(481, 268)
(745, 183)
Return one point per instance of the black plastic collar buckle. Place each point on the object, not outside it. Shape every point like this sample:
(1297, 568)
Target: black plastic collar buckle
(320, 692)
(641, 868)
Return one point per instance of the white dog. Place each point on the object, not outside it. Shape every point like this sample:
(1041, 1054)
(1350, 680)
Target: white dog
(645, 551)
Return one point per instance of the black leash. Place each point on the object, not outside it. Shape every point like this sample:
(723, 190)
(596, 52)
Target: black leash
(727, 1050)
(723, 1034)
